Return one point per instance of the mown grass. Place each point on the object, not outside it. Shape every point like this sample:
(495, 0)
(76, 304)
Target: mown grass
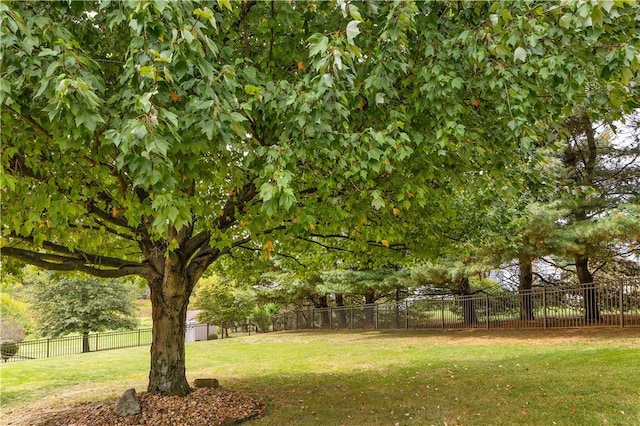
(144, 313)
(525, 377)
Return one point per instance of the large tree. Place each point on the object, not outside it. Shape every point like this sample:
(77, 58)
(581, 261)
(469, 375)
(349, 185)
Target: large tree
(602, 178)
(223, 301)
(151, 138)
(71, 304)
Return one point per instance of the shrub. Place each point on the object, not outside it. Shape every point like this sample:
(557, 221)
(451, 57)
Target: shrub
(8, 349)
(212, 337)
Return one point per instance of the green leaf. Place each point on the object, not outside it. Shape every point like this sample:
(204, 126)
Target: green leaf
(89, 120)
(520, 54)
(267, 191)
(171, 117)
(377, 202)
(352, 30)
(207, 14)
(148, 71)
(354, 12)
(48, 52)
(172, 213)
(318, 44)
(606, 5)
(566, 21)
(375, 154)
(502, 50)
(186, 34)
(140, 131)
(379, 98)
(225, 4)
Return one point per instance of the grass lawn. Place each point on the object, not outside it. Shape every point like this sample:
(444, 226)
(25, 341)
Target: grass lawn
(144, 313)
(478, 377)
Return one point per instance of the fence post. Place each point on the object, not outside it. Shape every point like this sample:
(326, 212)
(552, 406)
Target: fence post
(486, 301)
(442, 310)
(621, 302)
(406, 314)
(313, 319)
(48, 341)
(544, 307)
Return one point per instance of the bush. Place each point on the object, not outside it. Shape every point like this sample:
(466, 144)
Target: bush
(8, 349)
(212, 337)
(262, 315)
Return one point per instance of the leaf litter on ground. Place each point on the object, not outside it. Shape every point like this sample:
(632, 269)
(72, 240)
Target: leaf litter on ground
(203, 406)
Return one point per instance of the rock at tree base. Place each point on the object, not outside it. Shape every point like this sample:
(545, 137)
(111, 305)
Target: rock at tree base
(128, 404)
(206, 383)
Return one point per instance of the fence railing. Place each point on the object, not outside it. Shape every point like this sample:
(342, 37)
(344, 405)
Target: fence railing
(70, 345)
(613, 305)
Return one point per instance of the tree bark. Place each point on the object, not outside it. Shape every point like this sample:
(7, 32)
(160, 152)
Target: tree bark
(85, 342)
(169, 301)
(591, 308)
(525, 284)
(397, 310)
(323, 305)
(469, 316)
(342, 313)
(369, 307)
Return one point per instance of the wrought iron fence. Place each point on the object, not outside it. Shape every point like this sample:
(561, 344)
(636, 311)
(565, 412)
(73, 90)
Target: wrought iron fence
(70, 345)
(613, 305)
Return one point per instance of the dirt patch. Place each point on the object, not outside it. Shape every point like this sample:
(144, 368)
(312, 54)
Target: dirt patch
(203, 406)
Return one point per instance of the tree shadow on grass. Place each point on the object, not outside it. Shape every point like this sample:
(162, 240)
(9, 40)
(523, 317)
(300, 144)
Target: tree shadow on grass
(504, 391)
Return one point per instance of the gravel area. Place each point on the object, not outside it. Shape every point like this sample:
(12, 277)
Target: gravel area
(203, 406)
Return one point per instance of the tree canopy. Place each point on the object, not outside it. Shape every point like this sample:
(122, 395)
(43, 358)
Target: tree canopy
(67, 304)
(153, 137)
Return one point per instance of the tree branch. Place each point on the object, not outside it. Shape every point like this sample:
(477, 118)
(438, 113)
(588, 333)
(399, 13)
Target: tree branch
(76, 255)
(235, 203)
(326, 246)
(31, 121)
(67, 263)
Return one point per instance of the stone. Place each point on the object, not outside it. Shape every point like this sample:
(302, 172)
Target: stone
(206, 383)
(128, 404)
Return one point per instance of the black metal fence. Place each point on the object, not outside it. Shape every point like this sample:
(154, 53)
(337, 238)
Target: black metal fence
(46, 348)
(613, 305)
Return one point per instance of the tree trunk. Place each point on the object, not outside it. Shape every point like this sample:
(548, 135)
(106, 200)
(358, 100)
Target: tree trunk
(591, 308)
(398, 321)
(323, 305)
(369, 307)
(524, 288)
(169, 301)
(85, 342)
(469, 317)
(342, 312)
